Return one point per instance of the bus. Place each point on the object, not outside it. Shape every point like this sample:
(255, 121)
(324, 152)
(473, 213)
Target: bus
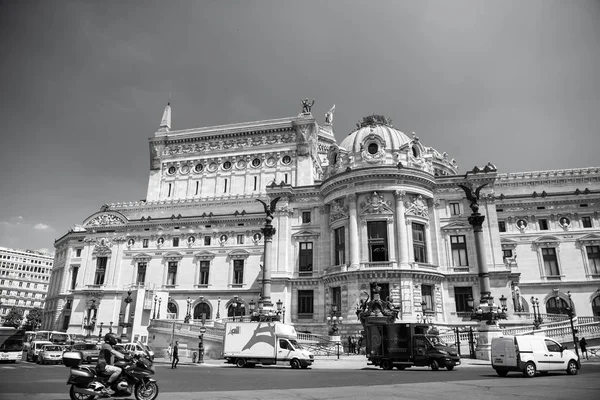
(11, 344)
(56, 337)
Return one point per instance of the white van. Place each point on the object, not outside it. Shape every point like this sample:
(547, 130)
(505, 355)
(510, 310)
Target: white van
(529, 354)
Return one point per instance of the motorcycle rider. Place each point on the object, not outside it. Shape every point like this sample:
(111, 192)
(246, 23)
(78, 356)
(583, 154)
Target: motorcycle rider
(105, 361)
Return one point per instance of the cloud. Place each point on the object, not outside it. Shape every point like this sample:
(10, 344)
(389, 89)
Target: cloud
(41, 227)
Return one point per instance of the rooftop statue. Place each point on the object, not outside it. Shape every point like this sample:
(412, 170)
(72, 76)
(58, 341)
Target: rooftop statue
(307, 106)
(329, 116)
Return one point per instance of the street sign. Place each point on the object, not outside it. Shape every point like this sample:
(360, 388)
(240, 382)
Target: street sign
(202, 330)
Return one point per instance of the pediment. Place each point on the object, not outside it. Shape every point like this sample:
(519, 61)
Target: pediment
(508, 243)
(457, 226)
(547, 241)
(173, 256)
(306, 234)
(204, 255)
(143, 257)
(238, 254)
(589, 239)
(105, 218)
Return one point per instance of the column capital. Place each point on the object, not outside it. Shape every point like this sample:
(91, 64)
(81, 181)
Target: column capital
(352, 197)
(399, 194)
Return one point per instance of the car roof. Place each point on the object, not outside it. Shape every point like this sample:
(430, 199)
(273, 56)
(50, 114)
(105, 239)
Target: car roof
(42, 342)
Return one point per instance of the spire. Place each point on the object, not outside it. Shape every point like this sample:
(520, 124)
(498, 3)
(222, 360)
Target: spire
(165, 123)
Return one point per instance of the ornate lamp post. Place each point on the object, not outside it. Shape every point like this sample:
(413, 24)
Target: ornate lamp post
(218, 307)
(235, 305)
(334, 320)
(100, 334)
(570, 312)
(537, 317)
(188, 309)
(268, 231)
(487, 312)
(159, 301)
(154, 312)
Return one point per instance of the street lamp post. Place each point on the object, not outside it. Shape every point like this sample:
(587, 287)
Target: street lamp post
(487, 311)
(159, 301)
(154, 312)
(218, 307)
(570, 312)
(187, 314)
(100, 334)
(334, 320)
(235, 305)
(537, 317)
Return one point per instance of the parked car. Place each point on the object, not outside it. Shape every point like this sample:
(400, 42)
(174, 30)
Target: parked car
(35, 348)
(89, 351)
(139, 349)
(50, 354)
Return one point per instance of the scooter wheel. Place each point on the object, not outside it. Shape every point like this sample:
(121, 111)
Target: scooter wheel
(79, 396)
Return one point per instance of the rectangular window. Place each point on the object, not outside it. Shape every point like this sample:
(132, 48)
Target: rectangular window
(377, 236)
(461, 296)
(141, 274)
(238, 272)
(207, 240)
(427, 297)
(550, 261)
(336, 298)
(305, 263)
(68, 304)
(78, 253)
(454, 208)
(240, 239)
(204, 271)
(306, 217)
(100, 270)
(502, 226)
(459, 251)
(305, 302)
(586, 222)
(593, 254)
(419, 243)
(66, 320)
(145, 243)
(543, 223)
(340, 246)
(507, 253)
(172, 273)
(74, 277)
(176, 242)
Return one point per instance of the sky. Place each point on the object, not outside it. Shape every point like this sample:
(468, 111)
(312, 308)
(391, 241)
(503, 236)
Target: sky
(83, 85)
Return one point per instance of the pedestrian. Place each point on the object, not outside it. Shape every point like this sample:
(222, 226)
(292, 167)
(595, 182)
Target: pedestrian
(349, 344)
(175, 355)
(360, 340)
(169, 351)
(583, 347)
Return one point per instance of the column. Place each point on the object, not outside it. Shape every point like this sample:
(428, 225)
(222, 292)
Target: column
(401, 228)
(353, 232)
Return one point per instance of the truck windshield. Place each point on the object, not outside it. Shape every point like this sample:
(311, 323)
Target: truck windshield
(295, 344)
(436, 341)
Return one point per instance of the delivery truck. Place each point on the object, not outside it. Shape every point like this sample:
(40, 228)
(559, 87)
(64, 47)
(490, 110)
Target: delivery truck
(249, 343)
(403, 345)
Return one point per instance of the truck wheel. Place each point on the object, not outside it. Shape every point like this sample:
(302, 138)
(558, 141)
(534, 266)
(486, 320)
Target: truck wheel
(572, 368)
(529, 370)
(387, 364)
(240, 362)
(434, 365)
(295, 364)
(449, 367)
(502, 372)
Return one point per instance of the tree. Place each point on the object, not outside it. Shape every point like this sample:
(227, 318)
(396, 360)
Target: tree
(34, 318)
(14, 317)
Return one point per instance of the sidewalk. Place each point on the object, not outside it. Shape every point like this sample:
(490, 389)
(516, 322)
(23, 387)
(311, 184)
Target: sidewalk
(354, 362)
(321, 362)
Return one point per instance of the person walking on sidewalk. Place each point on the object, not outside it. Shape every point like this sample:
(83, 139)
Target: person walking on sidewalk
(175, 355)
(169, 351)
(583, 347)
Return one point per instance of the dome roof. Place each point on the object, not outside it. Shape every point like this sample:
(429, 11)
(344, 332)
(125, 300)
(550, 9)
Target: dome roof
(393, 138)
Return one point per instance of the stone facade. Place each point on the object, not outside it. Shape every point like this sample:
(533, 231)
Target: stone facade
(379, 207)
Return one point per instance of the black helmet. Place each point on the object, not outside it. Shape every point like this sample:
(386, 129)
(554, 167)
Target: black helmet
(110, 338)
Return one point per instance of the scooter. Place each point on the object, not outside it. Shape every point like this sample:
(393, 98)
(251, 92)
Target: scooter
(87, 383)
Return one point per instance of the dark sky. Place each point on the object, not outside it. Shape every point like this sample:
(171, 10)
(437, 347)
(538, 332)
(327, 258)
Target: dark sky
(84, 83)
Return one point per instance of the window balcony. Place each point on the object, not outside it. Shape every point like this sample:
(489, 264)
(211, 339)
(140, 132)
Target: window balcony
(378, 265)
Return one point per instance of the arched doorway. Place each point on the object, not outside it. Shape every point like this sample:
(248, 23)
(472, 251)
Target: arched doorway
(554, 306)
(172, 310)
(202, 308)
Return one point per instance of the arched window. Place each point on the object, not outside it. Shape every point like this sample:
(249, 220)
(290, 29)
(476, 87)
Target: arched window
(556, 307)
(596, 306)
(172, 309)
(202, 308)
